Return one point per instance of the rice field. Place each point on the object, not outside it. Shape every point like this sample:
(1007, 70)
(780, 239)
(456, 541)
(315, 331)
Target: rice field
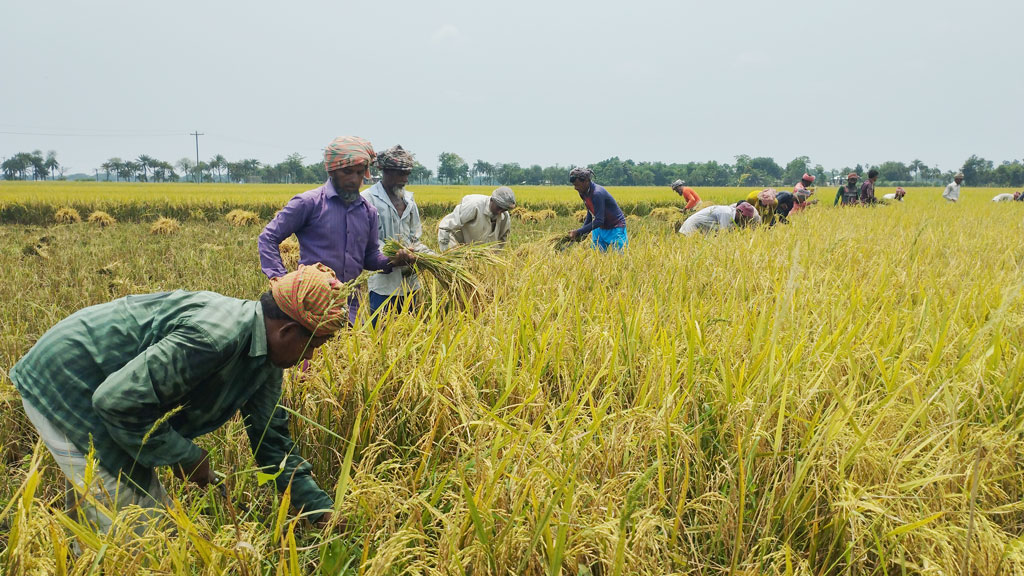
(840, 395)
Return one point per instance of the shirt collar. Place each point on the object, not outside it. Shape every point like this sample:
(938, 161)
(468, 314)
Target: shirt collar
(382, 194)
(329, 189)
(590, 191)
(258, 345)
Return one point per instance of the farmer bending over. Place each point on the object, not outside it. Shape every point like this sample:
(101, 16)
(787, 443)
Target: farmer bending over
(138, 378)
(605, 221)
(714, 218)
(691, 197)
(478, 218)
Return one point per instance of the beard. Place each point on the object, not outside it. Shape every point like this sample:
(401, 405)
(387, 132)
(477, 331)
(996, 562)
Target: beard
(348, 197)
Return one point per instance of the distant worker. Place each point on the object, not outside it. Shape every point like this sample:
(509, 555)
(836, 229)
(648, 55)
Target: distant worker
(691, 197)
(785, 204)
(714, 218)
(1007, 197)
(897, 196)
(803, 192)
(398, 218)
(952, 192)
(850, 193)
(135, 381)
(764, 201)
(333, 223)
(478, 219)
(605, 221)
(867, 189)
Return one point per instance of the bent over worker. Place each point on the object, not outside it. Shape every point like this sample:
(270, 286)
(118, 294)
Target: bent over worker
(688, 194)
(605, 221)
(478, 218)
(139, 378)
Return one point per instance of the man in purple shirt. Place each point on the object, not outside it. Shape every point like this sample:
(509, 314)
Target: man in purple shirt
(867, 189)
(333, 223)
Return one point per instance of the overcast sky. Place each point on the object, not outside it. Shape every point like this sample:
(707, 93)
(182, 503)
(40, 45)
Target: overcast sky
(546, 82)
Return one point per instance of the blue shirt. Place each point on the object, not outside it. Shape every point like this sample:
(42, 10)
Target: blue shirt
(602, 210)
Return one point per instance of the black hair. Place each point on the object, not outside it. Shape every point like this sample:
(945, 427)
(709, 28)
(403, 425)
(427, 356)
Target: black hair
(272, 311)
(872, 173)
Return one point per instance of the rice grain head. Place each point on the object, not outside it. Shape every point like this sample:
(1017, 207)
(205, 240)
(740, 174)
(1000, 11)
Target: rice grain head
(67, 216)
(165, 226)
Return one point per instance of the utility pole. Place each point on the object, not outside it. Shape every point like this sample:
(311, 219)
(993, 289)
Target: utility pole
(197, 134)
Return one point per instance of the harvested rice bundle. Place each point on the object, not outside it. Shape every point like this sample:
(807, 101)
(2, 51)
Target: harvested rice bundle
(665, 213)
(546, 214)
(520, 213)
(452, 269)
(580, 215)
(561, 242)
(633, 219)
(242, 218)
(101, 219)
(290, 252)
(165, 226)
(67, 216)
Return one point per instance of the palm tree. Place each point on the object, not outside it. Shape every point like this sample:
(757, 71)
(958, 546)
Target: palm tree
(218, 163)
(145, 162)
(917, 166)
(39, 170)
(51, 162)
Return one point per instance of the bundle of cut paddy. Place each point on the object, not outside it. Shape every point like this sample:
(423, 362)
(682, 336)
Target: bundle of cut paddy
(101, 219)
(559, 242)
(520, 213)
(665, 213)
(67, 216)
(580, 215)
(546, 214)
(453, 268)
(242, 218)
(165, 226)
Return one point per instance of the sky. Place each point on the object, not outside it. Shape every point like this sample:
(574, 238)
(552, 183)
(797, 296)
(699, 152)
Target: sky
(533, 82)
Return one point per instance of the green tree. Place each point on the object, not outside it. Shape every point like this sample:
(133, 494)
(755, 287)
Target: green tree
(795, 170)
(451, 168)
(977, 171)
(420, 173)
(51, 163)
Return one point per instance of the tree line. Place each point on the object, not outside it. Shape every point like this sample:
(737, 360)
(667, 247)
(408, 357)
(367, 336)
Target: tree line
(453, 169)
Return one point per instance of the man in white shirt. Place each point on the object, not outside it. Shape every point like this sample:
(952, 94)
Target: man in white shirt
(897, 196)
(715, 218)
(478, 218)
(952, 193)
(399, 218)
(1007, 197)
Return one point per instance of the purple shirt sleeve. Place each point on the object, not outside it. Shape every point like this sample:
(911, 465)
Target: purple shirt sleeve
(287, 221)
(373, 259)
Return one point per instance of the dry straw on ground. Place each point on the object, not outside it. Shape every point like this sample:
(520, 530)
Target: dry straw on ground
(67, 216)
(101, 219)
(165, 226)
(665, 213)
(242, 218)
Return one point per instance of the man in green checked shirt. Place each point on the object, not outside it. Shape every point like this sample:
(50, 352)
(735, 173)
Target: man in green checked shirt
(138, 378)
